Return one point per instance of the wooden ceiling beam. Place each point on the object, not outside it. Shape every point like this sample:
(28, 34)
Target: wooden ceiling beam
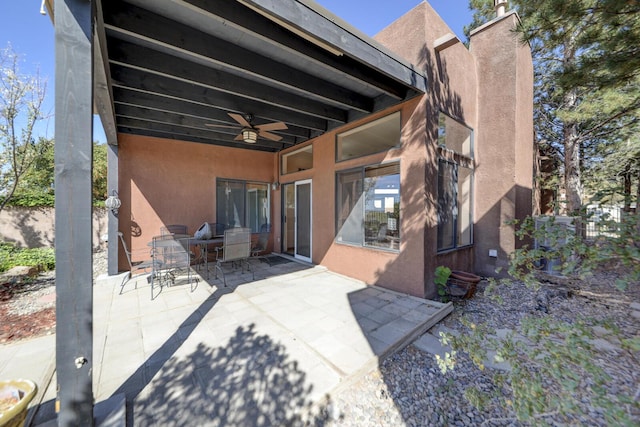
(132, 22)
(140, 80)
(142, 58)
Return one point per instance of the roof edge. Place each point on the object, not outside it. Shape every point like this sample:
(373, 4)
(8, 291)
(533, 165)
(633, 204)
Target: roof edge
(405, 72)
(493, 22)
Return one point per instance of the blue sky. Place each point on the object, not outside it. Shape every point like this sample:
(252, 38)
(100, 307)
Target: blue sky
(31, 34)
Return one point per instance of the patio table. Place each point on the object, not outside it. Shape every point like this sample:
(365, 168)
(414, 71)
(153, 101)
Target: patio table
(170, 253)
(203, 244)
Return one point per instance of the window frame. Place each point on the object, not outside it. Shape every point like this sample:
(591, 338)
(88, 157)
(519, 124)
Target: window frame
(367, 125)
(458, 161)
(362, 199)
(284, 156)
(245, 192)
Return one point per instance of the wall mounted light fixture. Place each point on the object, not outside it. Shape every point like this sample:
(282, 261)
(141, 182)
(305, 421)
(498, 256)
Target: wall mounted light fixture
(275, 185)
(113, 202)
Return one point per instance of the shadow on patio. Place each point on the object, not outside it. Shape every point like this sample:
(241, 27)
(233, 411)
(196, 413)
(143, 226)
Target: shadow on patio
(251, 380)
(266, 352)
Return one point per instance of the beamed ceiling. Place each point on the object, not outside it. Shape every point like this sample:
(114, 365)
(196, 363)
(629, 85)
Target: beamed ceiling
(166, 68)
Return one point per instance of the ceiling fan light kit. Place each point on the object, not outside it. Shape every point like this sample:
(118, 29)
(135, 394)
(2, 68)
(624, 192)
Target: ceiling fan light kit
(249, 135)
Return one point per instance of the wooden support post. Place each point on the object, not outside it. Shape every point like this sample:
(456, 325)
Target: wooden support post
(73, 180)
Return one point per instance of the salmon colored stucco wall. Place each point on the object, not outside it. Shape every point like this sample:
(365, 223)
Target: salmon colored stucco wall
(452, 81)
(488, 87)
(165, 182)
(504, 163)
(401, 271)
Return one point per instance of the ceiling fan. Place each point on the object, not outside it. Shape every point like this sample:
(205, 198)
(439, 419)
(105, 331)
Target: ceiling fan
(249, 133)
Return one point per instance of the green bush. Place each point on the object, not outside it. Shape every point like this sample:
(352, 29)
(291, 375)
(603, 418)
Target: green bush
(11, 256)
(5, 256)
(32, 199)
(553, 358)
(441, 277)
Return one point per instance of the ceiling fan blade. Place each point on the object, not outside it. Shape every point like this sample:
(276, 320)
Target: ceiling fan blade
(271, 136)
(238, 138)
(272, 126)
(221, 126)
(240, 119)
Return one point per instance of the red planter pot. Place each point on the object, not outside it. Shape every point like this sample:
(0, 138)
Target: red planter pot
(462, 284)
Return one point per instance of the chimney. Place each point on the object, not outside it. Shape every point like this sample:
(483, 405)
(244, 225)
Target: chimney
(501, 6)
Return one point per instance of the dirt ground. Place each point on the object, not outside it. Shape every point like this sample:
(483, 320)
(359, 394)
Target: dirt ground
(28, 305)
(27, 309)
(18, 326)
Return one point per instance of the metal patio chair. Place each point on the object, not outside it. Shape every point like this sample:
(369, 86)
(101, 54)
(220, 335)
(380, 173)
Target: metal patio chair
(172, 259)
(135, 267)
(173, 229)
(261, 245)
(236, 248)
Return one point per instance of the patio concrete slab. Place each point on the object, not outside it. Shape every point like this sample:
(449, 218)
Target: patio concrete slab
(258, 352)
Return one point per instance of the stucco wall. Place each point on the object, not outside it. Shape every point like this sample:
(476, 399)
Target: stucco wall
(35, 227)
(171, 182)
(452, 82)
(504, 169)
(489, 88)
(402, 271)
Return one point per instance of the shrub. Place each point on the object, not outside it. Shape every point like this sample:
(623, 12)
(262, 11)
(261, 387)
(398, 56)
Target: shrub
(11, 256)
(442, 274)
(554, 358)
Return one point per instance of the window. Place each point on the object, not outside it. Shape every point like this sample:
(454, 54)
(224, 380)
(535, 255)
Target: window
(454, 136)
(455, 184)
(298, 160)
(242, 204)
(368, 206)
(374, 137)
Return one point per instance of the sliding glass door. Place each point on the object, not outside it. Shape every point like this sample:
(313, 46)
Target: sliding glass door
(297, 220)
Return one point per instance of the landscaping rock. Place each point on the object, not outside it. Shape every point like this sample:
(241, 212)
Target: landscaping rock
(408, 389)
(17, 274)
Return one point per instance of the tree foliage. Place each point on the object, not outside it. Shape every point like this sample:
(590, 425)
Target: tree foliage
(587, 92)
(21, 98)
(26, 159)
(37, 187)
(13, 256)
(99, 189)
(551, 356)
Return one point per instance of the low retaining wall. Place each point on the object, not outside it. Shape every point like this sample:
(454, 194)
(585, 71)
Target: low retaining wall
(35, 227)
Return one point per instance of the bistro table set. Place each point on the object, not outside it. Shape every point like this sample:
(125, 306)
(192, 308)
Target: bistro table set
(174, 252)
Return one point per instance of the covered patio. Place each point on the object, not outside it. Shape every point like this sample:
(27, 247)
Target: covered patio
(199, 99)
(214, 73)
(184, 91)
(267, 352)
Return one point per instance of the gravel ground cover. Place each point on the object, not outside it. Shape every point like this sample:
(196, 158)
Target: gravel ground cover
(409, 388)
(27, 305)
